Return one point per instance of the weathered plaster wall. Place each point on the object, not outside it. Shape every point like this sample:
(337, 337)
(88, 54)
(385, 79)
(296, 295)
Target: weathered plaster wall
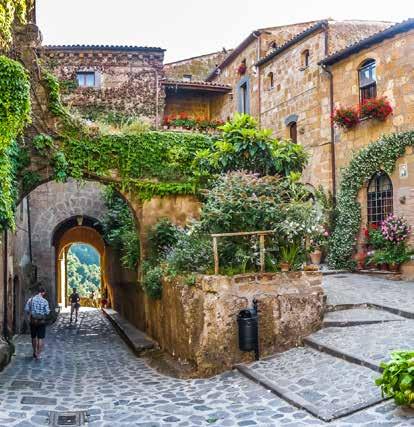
(127, 82)
(193, 105)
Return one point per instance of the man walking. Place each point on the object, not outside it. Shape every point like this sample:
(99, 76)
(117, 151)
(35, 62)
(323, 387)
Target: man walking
(37, 309)
(74, 299)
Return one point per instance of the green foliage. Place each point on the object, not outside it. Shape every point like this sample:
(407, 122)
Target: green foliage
(14, 101)
(119, 228)
(397, 379)
(152, 282)
(162, 238)
(10, 11)
(191, 253)
(85, 274)
(244, 147)
(395, 254)
(379, 155)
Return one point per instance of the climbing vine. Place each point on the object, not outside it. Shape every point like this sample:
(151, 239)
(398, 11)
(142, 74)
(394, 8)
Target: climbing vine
(14, 115)
(10, 10)
(379, 155)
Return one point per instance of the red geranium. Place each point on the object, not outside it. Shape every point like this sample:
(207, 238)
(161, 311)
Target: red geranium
(376, 108)
(346, 117)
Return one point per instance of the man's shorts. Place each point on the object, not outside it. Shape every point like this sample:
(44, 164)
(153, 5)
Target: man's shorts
(38, 331)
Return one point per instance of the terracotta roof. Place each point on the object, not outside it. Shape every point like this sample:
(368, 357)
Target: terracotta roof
(300, 36)
(103, 47)
(233, 54)
(402, 27)
(196, 85)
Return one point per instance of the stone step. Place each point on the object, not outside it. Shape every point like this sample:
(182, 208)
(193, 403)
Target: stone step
(358, 316)
(366, 345)
(323, 385)
(136, 339)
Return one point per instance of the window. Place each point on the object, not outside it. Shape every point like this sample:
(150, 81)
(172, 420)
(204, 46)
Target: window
(244, 108)
(367, 80)
(380, 195)
(305, 58)
(86, 78)
(293, 132)
(271, 80)
(187, 77)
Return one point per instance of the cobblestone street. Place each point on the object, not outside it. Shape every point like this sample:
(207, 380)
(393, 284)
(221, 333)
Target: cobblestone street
(87, 367)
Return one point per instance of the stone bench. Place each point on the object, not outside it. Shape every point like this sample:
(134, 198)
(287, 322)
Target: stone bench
(136, 339)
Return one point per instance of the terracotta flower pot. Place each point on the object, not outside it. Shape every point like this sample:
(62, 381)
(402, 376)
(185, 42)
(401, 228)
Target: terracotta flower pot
(395, 268)
(316, 256)
(384, 267)
(284, 266)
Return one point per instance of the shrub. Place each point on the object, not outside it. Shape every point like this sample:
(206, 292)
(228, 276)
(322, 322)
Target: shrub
(244, 147)
(152, 282)
(397, 379)
(191, 253)
(395, 229)
(162, 238)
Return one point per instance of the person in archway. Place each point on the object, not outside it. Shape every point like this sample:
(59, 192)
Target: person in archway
(37, 308)
(74, 300)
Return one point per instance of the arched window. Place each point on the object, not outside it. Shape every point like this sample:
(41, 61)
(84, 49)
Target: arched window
(380, 195)
(293, 132)
(367, 80)
(305, 58)
(271, 80)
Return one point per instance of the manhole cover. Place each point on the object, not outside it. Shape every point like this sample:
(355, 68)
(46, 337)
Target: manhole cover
(31, 400)
(18, 384)
(67, 418)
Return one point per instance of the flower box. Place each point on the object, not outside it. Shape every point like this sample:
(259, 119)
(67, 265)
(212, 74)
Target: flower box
(346, 117)
(376, 108)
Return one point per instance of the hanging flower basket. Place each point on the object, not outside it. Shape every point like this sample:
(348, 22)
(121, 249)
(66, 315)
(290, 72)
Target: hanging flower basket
(376, 108)
(241, 70)
(346, 117)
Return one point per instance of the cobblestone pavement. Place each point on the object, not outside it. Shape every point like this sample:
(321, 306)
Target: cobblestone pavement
(359, 289)
(359, 315)
(88, 367)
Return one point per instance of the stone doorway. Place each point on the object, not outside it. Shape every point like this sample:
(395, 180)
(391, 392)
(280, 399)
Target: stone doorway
(86, 232)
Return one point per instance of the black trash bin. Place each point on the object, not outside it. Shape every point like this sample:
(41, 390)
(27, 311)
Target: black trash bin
(248, 329)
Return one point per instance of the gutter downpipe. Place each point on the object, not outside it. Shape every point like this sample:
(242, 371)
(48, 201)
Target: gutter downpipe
(259, 84)
(331, 96)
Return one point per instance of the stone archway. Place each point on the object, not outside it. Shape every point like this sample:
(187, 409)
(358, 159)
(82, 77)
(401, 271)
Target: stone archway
(78, 234)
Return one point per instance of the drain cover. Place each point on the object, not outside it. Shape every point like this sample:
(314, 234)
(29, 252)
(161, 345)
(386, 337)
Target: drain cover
(67, 418)
(18, 384)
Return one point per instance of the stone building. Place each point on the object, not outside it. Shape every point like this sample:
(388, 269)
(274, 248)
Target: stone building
(125, 80)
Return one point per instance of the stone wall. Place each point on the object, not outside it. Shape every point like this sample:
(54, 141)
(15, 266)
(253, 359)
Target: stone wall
(197, 67)
(127, 80)
(395, 68)
(197, 324)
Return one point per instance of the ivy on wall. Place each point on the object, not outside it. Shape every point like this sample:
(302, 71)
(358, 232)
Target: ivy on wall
(10, 10)
(148, 163)
(14, 115)
(379, 155)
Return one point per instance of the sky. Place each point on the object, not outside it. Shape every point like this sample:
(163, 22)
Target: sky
(187, 28)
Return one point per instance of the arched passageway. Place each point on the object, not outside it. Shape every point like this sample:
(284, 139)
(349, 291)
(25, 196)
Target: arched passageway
(84, 231)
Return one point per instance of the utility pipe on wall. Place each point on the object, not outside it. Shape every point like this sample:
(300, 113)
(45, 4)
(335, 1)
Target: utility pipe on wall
(5, 280)
(331, 102)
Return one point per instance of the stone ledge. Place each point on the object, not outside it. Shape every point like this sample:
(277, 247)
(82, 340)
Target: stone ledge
(136, 339)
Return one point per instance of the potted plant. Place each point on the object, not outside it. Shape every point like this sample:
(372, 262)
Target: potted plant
(318, 242)
(376, 108)
(397, 379)
(346, 117)
(289, 257)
